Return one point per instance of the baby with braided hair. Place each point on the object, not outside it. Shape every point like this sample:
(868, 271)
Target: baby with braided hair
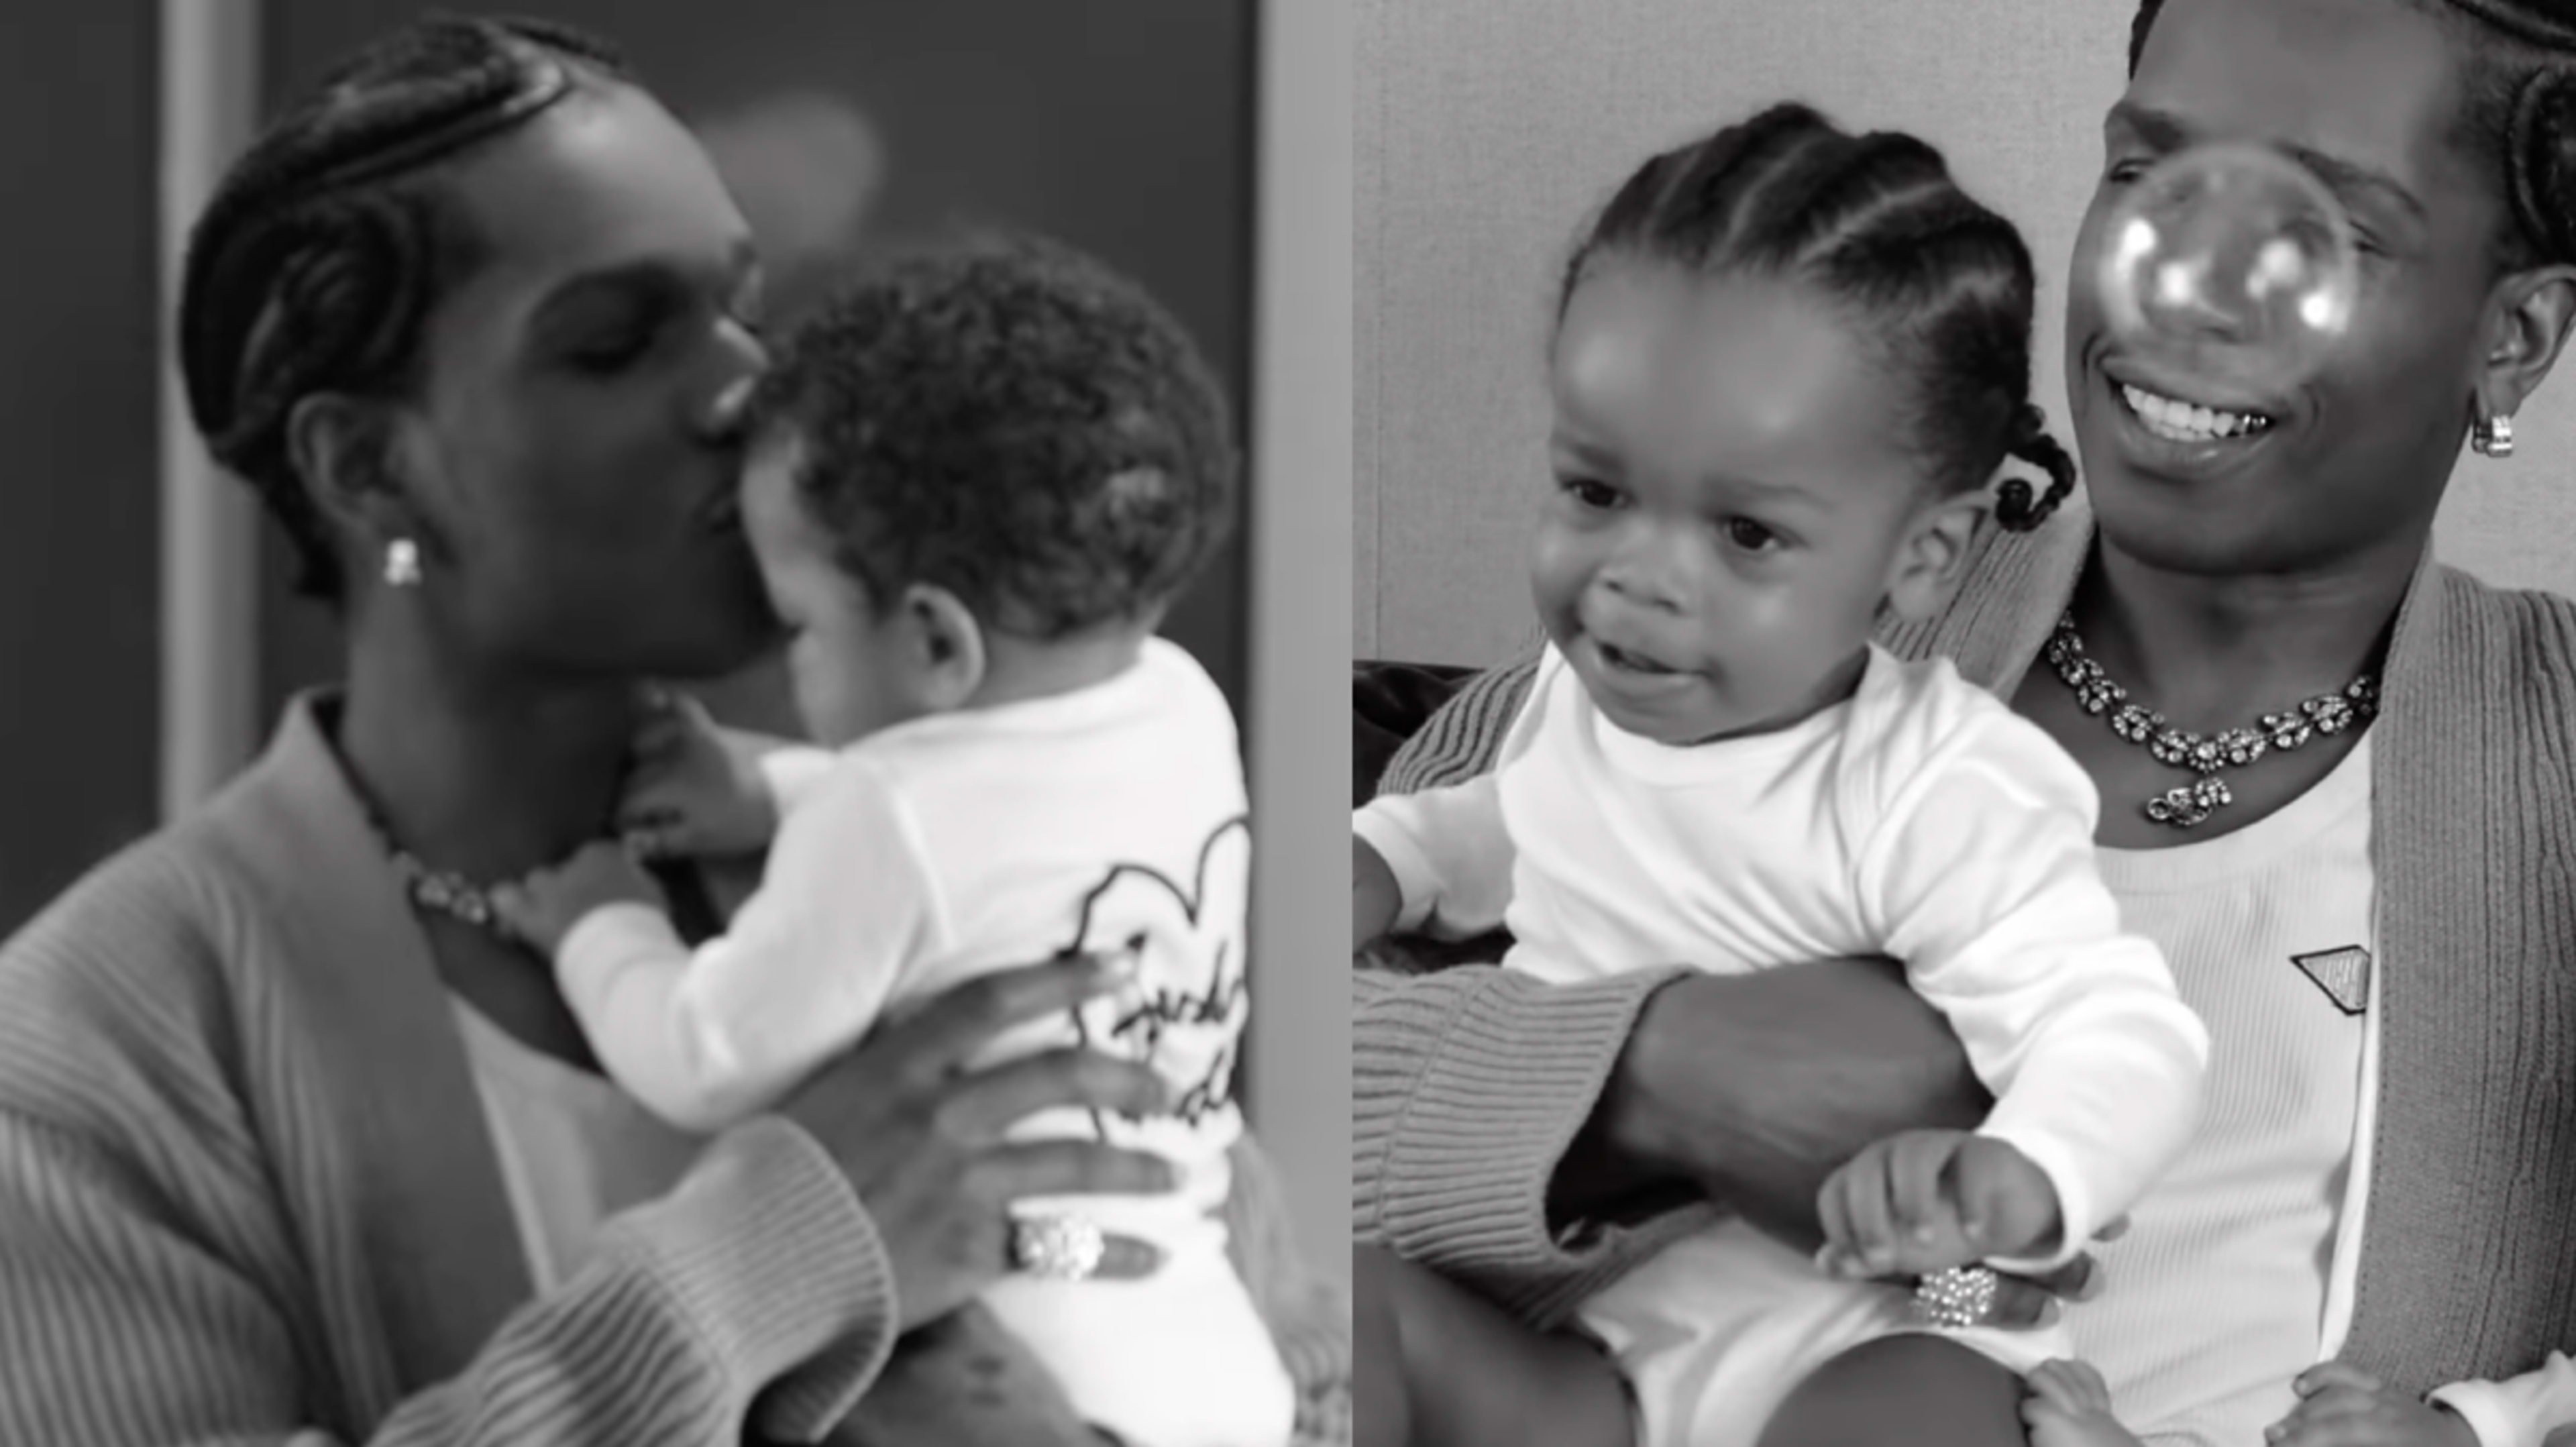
(1787, 366)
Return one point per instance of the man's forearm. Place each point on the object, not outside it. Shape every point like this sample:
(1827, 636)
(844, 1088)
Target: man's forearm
(1752, 1089)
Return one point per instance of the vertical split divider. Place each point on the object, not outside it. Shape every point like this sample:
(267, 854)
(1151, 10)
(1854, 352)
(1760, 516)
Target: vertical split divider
(1300, 517)
(209, 570)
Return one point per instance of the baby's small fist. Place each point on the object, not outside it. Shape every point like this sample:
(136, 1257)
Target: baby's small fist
(2006, 1202)
(1924, 1200)
(1885, 1212)
(544, 907)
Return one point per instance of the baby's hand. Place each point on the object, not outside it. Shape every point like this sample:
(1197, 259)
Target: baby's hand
(1926, 1200)
(2070, 1406)
(691, 791)
(2343, 1406)
(544, 907)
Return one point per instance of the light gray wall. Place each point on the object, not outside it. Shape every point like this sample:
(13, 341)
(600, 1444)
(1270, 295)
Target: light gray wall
(1487, 131)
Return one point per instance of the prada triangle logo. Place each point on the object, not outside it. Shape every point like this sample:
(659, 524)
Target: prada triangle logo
(2343, 974)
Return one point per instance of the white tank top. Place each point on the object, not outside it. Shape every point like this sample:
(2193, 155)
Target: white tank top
(575, 1150)
(2219, 1294)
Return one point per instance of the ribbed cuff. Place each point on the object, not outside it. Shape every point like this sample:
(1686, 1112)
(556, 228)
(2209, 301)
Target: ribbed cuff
(766, 1250)
(1505, 1070)
(1460, 738)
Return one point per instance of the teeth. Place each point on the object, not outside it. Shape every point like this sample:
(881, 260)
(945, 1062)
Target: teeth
(2187, 422)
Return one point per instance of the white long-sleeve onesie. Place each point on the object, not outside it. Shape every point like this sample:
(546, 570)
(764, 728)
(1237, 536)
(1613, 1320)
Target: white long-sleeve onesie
(1921, 819)
(1107, 820)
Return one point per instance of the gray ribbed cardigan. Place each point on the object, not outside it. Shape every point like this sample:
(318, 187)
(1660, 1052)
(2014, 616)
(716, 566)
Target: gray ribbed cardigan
(1468, 1083)
(246, 1191)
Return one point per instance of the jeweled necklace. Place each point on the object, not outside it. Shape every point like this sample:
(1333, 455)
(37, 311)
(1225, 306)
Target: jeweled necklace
(444, 891)
(2186, 805)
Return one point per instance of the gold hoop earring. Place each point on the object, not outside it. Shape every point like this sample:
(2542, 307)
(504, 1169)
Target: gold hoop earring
(2492, 437)
(402, 563)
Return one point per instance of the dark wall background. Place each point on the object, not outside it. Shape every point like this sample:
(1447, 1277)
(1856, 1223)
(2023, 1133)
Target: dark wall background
(79, 681)
(1121, 126)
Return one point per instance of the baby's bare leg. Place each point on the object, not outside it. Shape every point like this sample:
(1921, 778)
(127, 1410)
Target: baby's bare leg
(1438, 1366)
(1902, 1391)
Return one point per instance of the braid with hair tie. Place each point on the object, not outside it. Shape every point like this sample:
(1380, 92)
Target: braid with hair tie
(315, 263)
(2032, 443)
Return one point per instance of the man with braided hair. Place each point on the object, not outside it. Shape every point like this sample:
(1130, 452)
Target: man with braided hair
(2367, 1243)
(297, 1143)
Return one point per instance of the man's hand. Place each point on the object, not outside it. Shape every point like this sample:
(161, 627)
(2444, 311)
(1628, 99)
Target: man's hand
(1751, 1090)
(1755, 1088)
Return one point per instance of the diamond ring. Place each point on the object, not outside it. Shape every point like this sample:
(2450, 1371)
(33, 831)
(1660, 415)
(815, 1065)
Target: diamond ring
(1961, 1296)
(1057, 1247)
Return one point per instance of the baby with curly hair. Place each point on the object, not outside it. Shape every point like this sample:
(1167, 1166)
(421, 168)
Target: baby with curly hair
(978, 479)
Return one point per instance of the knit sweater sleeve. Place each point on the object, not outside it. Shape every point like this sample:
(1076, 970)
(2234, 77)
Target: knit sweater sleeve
(154, 1289)
(1467, 1087)
(1462, 737)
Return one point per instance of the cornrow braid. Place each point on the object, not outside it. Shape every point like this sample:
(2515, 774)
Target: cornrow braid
(2519, 123)
(320, 254)
(2542, 166)
(1875, 224)
(2551, 27)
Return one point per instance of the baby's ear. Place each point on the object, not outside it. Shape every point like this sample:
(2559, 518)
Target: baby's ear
(948, 656)
(1934, 554)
